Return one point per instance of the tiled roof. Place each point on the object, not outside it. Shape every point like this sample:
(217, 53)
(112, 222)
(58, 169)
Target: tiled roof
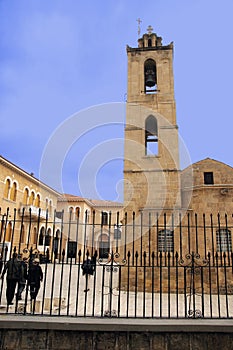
(91, 202)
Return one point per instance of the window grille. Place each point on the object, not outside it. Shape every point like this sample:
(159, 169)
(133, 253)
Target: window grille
(223, 240)
(165, 241)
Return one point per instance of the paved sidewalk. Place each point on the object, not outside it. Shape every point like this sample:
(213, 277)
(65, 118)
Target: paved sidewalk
(67, 292)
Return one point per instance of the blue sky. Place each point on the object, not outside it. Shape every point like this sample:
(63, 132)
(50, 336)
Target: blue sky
(58, 58)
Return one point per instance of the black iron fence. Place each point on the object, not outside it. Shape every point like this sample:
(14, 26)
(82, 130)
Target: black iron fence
(150, 266)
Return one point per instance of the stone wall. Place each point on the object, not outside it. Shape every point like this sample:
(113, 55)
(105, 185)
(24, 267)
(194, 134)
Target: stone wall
(72, 340)
(27, 332)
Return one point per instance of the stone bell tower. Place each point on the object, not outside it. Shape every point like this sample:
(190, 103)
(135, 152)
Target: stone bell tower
(151, 159)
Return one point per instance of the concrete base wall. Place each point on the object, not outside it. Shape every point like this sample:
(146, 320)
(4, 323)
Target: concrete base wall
(26, 333)
(71, 340)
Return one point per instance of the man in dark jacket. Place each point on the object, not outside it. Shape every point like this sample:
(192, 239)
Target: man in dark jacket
(23, 278)
(13, 269)
(35, 276)
(88, 268)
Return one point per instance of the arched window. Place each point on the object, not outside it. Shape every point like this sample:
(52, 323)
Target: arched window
(104, 246)
(71, 211)
(104, 220)
(32, 198)
(25, 196)
(8, 232)
(77, 212)
(117, 231)
(47, 238)
(34, 236)
(56, 244)
(150, 77)
(37, 202)
(87, 216)
(13, 192)
(151, 135)
(50, 207)
(41, 236)
(22, 234)
(58, 234)
(7, 188)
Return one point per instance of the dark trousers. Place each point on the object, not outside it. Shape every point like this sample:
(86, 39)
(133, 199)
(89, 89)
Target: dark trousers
(10, 289)
(34, 289)
(21, 287)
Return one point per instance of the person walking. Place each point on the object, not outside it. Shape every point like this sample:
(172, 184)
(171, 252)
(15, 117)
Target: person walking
(88, 268)
(13, 270)
(35, 277)
(23, 278)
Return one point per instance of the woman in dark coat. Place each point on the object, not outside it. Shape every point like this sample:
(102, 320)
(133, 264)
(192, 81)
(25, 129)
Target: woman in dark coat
(35, 276)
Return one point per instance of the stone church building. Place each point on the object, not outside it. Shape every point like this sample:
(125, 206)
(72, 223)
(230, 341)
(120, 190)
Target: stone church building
(154, 185)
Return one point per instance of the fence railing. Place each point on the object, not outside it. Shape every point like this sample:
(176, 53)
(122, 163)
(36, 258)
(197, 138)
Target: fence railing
(146, 267)
(191, 287)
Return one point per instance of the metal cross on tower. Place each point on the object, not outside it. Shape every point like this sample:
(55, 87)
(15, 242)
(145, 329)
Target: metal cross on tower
(150, 29)
(139, 28)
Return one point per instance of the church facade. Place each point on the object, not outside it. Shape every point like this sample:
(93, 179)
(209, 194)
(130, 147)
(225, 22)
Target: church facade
(159, 197)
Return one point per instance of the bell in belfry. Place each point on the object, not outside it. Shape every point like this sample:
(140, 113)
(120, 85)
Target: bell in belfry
(150, 73)
(150, 77)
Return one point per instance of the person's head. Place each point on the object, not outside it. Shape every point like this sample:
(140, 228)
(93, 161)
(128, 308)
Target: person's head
(15, 255)
(36, 261)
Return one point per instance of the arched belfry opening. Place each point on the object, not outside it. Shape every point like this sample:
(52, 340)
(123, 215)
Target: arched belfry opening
(150, 76)
(151, 135)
